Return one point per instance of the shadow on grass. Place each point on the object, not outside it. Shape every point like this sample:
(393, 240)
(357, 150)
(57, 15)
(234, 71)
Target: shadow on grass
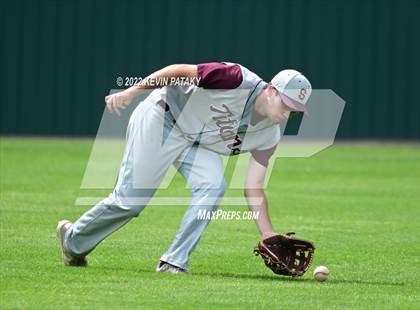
(295, 280)
(272, 278)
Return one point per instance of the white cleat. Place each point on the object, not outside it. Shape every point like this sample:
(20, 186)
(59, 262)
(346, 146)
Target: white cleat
(68, 259)
(166, 267)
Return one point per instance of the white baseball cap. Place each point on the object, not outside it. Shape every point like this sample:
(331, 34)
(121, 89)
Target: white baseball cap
(294, 88)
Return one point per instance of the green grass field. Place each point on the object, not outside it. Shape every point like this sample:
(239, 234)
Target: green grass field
(359, 203)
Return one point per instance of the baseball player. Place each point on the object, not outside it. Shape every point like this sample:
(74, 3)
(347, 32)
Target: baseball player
(225, 109)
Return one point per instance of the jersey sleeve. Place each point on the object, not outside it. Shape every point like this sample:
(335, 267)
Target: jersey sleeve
(263, 156)
(218, 75)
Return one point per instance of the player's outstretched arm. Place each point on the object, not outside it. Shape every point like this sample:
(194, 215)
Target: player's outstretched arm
(256, 198)
(121, 100)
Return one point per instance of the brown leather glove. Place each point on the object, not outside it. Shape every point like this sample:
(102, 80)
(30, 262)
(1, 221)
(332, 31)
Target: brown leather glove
(286, 255)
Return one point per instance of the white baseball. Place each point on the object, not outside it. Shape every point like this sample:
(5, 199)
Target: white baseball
(321, 273)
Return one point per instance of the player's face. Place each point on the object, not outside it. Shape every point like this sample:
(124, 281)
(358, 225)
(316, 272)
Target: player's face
(277, 111)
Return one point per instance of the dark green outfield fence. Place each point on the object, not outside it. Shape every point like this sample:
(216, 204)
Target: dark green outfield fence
(59, 58)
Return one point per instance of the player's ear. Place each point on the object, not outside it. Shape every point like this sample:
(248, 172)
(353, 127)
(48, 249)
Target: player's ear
(270, 88)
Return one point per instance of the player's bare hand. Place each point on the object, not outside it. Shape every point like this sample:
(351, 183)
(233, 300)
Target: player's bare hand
(117, 102)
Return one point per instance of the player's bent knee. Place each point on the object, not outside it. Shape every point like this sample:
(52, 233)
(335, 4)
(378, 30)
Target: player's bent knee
(126, 210)
(134, 211)
(217, 188)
